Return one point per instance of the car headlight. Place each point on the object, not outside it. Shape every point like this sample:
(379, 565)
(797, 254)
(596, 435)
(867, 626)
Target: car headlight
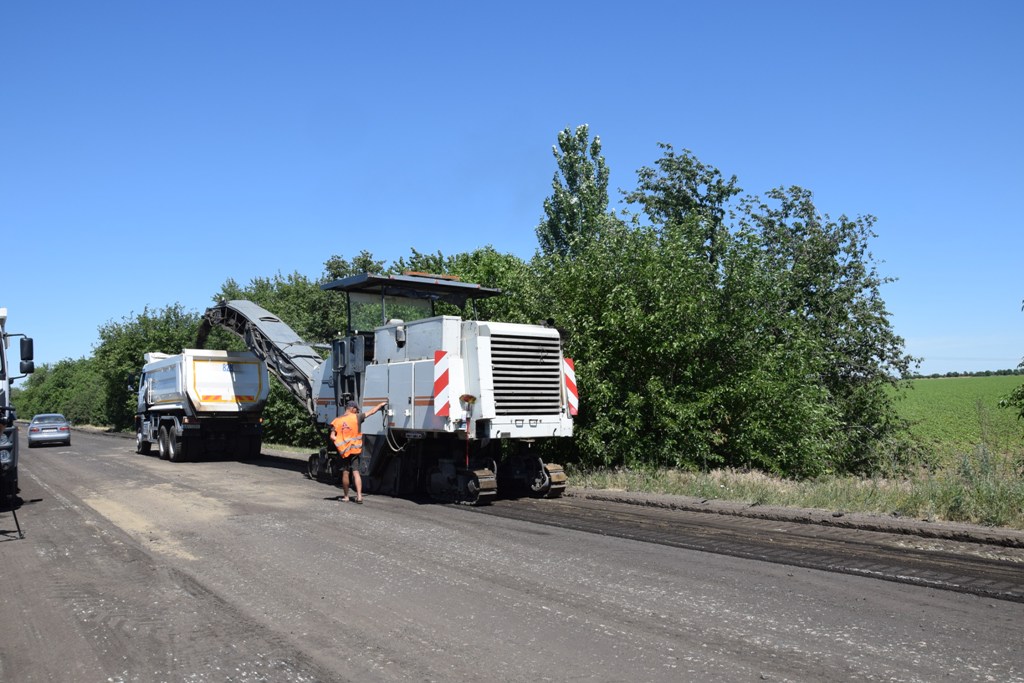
(6, 456)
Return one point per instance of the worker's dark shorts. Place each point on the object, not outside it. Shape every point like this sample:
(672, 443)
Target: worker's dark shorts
(348, 464)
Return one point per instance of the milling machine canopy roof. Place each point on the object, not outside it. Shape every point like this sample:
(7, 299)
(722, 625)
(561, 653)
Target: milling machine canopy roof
(413, 286)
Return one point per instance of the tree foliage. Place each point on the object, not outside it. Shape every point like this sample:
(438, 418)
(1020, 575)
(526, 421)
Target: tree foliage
(711, 331)
(338, 267)
(1015, 400)
(683, 190)
(487, 267)
(119, 357)
(825, 287)
(72, 387)
(316, 315)
(579, 193)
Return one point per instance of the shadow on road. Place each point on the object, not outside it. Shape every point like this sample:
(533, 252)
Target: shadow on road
(11, 504)
(278, 462)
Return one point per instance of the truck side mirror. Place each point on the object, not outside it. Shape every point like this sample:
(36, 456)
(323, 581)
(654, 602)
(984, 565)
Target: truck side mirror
(26, 351)
(27, 367)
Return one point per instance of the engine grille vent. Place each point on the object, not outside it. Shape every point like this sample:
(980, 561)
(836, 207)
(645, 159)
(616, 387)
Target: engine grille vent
(526, 373)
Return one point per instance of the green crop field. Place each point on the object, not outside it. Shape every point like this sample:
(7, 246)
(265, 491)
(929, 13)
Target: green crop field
(954, 415)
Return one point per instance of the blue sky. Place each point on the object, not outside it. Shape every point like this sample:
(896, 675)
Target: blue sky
(150, 151)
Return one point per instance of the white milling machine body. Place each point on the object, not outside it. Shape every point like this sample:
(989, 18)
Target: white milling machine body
(466, 399)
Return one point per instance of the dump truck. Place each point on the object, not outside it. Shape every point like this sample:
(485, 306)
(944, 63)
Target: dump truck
(8, 424)
(468, 401)
(201, 402)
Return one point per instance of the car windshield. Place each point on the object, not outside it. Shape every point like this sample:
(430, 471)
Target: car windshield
(48, 419)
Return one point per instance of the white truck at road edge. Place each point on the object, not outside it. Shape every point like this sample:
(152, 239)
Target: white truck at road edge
(201, 401)
(8, 427)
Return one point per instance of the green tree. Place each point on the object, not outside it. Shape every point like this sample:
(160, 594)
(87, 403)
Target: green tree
(419, 262)
(520, 300)
(317, 316)
(1015, 399)
(639, 304)
(487, 267)
(711, 331)
(338, 267)
(119, 357)
(626, 328)
(286, 422)
(579, 193)
(72, 387)
(682, 190)
(827, 293)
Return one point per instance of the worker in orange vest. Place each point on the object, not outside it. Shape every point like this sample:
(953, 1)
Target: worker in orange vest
(347, 435)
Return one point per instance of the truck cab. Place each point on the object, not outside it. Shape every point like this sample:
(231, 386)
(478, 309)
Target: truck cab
(8, 424)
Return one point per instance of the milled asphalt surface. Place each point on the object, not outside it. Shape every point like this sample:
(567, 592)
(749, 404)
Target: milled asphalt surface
(952, 531)
(967, 533)
(145, 570)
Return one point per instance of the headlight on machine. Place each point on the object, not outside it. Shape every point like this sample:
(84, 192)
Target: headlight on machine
(6, 448)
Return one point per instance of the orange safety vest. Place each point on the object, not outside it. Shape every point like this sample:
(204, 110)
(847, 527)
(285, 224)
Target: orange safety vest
(347, 437)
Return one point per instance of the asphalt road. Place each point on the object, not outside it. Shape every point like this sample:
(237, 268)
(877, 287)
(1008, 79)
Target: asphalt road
(136, 569)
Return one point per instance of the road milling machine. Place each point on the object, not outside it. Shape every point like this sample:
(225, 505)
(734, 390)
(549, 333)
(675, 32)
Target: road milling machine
(467, 400)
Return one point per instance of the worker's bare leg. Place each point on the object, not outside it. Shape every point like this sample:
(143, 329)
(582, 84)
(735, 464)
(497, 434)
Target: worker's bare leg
(359, 484)
(344, 484)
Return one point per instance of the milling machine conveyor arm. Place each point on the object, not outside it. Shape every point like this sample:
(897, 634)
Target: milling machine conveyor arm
(293, 361)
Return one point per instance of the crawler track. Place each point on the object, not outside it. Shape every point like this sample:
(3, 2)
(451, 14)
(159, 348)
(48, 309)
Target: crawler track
(963, 567)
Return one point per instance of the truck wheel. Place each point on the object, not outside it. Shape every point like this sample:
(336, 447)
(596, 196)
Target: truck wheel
(175, 447)
(141, 445)
(313, 466)
(162, 443)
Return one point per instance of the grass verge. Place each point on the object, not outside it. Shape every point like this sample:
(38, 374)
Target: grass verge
(975, 472)
(986, 487)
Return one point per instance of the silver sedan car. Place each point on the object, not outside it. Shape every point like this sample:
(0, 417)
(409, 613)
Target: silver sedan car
(49, 428)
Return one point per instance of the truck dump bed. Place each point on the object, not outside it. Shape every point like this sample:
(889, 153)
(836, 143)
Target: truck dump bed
(214, 381)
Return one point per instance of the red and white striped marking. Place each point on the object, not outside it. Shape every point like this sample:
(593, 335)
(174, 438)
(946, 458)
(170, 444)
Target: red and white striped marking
(442, 404)
(573, 394)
